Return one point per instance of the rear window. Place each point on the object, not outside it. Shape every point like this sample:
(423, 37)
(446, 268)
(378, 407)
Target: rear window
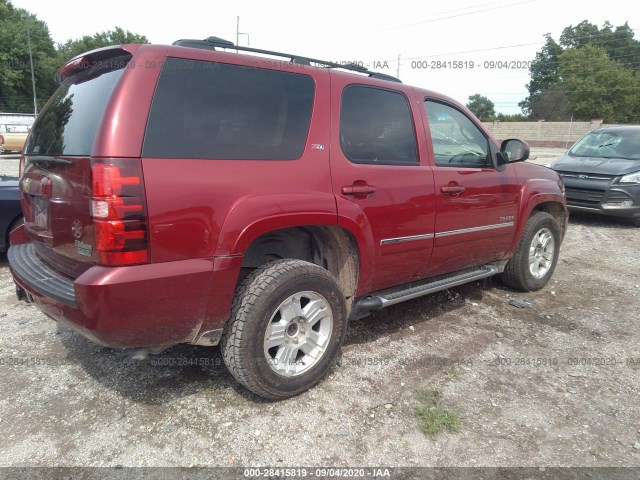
(219, 111)
(69, 122)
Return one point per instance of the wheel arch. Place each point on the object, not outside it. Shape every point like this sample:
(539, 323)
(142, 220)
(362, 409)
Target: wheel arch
(540, 195)
(328, 246)
(256, 216)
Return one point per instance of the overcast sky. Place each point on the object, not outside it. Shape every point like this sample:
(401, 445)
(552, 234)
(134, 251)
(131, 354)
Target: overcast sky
(456, 30)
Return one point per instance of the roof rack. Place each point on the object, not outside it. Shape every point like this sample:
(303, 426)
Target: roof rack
(211, 43)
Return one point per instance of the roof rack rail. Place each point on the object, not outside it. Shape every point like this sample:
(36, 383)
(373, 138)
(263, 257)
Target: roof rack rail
(211, 43)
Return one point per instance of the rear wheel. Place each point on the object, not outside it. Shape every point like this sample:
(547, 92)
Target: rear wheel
(536, 256)
(287, 324)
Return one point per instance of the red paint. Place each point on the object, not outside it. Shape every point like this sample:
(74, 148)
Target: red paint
(204, 214)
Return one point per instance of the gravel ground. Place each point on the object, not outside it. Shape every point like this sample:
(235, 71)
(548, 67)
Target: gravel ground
(555, 384)
(8, 166)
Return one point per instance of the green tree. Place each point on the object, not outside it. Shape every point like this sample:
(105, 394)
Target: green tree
(624, 48)
(591, 71)
(118, 36)
(544, 76)
(16, 92)
(585, 33)
(553, 105)
(482, 107)
(516, 117)
(619, 43)
(598, 86)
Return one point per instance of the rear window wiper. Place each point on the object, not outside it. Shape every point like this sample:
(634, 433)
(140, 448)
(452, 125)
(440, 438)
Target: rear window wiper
(47, 159)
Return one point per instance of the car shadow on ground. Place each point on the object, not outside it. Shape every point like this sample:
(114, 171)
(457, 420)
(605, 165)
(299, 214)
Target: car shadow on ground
(185, 370)
(594, 220)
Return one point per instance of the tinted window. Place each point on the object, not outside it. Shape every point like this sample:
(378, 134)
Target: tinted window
(456, 139)
(219, 111)
(68, 124)
(605, 144)
(376, 127)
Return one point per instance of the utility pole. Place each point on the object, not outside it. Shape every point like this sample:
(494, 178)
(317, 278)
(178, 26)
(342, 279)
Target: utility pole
(398, 71)
(25, 17)
(238, 32)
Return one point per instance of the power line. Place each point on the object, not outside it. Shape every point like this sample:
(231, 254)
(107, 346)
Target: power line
(428, 20)
(503, 47)
(457, 15)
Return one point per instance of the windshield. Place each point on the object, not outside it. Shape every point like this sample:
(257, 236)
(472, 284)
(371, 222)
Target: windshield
(609, 144)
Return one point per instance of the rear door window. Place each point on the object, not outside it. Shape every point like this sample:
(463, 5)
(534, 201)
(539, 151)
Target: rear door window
(219, 111)
(376, 127)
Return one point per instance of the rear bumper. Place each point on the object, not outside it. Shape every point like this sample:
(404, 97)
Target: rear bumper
(31, 271)
(136, 306)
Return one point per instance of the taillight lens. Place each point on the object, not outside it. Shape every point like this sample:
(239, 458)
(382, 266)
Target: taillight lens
(119, 212)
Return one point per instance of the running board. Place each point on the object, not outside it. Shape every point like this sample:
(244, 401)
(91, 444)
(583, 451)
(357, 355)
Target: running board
(374, 302)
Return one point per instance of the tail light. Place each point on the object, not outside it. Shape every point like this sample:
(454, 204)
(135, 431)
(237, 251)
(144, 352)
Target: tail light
(119, 212)
(1, 139)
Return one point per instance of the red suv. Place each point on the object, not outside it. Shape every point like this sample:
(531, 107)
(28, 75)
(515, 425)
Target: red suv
(185, 194)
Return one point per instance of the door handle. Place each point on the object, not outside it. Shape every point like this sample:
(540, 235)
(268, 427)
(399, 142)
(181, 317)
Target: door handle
(358, 189)
(452, 189)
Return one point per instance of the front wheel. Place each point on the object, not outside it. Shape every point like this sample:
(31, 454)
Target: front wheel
(536, 256)
(287, 323)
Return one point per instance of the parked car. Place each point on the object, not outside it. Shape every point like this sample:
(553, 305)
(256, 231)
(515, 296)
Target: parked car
(12, 137)
(186, 194)
(602, 172)
(10, 210)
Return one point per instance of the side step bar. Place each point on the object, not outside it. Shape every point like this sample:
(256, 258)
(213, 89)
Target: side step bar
(375, 302)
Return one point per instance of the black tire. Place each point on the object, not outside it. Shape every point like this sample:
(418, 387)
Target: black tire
(257, 303)
(518, 274)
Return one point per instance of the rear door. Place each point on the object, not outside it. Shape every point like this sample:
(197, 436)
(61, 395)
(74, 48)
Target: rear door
(376, 171)
(476, 204)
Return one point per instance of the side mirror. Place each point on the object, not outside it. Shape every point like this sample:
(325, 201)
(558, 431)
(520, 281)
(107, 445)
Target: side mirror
(514, 150)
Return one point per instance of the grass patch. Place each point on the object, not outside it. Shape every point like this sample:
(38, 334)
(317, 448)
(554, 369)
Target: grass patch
(429, 397)
(432, 417)
(452, 372)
